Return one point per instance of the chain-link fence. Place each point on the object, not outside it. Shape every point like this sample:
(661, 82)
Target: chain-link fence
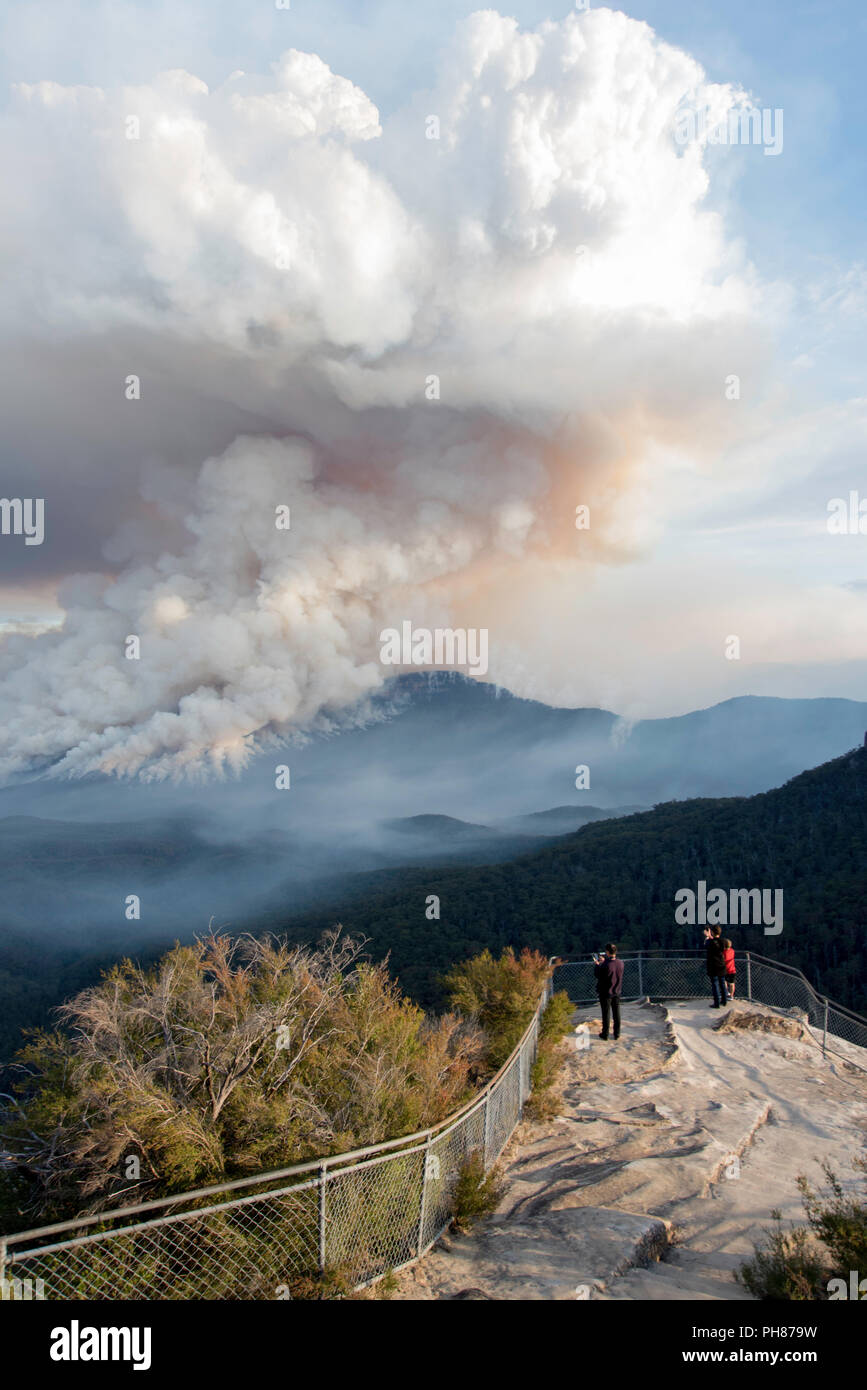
(352, 1217)
(359, 1214)
(645, 975)
(664, 975)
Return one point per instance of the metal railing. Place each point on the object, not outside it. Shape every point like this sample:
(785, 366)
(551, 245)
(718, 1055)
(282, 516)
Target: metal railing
(366, 1212)
(363, 1214)
(663, 975)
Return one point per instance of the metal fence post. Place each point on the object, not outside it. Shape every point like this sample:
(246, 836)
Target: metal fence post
(423, 1204)
(487, 1126)
(749, 979)
(640, 974)
(322, 1171)
(825, 1029)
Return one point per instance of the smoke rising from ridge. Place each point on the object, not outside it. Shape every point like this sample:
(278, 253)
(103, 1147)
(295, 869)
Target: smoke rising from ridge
(285, 274)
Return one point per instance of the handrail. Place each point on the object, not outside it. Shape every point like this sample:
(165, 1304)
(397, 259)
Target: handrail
(689, 953)
(793, 969)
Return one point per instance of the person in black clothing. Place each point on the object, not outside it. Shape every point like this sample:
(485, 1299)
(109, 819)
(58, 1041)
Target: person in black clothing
(609, 987)
(716, 966)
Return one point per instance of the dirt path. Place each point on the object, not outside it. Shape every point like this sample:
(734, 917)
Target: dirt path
(680, 1131)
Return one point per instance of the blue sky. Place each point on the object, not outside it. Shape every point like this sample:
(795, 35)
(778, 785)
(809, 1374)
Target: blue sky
(805, 56)
(801, 215)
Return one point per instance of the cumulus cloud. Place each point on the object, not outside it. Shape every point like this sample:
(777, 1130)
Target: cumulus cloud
(270, 255)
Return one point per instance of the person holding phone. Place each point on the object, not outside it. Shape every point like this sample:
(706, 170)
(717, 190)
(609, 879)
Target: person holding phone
(715, 966)
(609, 987)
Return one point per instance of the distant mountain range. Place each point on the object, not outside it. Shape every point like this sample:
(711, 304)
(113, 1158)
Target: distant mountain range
(441, 744)
(436, 770)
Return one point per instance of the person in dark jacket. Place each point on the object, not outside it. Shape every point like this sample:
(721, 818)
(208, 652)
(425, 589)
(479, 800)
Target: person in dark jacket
(609, 987)
(715, 966)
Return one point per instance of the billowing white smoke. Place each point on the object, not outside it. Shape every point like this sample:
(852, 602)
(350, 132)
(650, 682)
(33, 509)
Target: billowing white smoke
(255, 627)
(547, 258)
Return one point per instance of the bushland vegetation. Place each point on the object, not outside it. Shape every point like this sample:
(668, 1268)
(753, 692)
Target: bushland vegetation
(234, 1056)
(816, 1261)
(227, 1058)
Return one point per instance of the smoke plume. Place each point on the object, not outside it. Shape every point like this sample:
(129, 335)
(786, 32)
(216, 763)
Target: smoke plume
(430, 339)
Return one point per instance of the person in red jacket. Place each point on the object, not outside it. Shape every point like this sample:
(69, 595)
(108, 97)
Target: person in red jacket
(729, 964)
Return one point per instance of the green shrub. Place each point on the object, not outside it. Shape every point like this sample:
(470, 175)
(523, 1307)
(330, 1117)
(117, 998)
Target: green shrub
(386, 1287)
(475, 1192)
(787, 1266)
(799, 1263)
(839, 1222)
(501, 994)
(545, 1103)
(333, 1283)
(556, 1021)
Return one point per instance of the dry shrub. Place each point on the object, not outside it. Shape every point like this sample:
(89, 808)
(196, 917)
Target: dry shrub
(227, 1058)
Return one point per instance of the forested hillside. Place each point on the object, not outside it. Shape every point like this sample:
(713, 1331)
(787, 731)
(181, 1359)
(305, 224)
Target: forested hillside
(618, 879)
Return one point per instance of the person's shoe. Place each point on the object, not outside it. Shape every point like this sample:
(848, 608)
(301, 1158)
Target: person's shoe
(616, 1037)
(603, 1036)
(715, 1006)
